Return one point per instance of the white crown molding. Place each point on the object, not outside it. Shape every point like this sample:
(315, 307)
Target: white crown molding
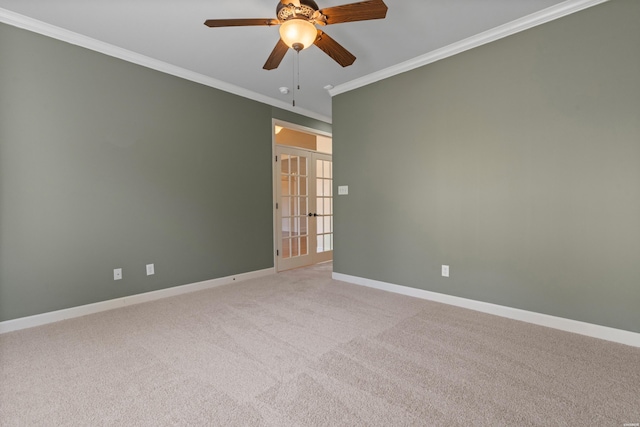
(568, 325)
(33, 25)
(83, 310)
(538, 18)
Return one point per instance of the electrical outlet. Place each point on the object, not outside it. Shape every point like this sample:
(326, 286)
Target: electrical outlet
(445, 271)
(150, 270)
(117, 274)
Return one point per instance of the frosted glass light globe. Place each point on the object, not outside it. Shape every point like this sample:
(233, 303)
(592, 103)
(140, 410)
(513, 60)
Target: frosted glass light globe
(298, 33)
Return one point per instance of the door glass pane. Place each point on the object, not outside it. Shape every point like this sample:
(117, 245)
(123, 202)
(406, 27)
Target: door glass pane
(320, 226)
(286, 208)
(303, 186)
(327, 224)
(286, 251)
(296, 227)
(319, 188)
(320, 206)
(327, 170)
(286, 228)
(319, 169)
(327, 242)
(327, 187)
(319, 244)
(303, 166)
(303, 206)
(304, 247)
(328, 206)
(295, 248)
(304, 225)
(291, 206)
(293, 165)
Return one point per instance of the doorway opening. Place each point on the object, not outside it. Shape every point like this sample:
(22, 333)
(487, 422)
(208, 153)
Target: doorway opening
(303, 196)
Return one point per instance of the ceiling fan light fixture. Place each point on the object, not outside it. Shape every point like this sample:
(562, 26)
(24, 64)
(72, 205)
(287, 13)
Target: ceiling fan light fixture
(298, 33)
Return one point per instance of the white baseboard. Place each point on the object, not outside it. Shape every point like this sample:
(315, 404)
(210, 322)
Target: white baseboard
(568, 325)
(83, 310)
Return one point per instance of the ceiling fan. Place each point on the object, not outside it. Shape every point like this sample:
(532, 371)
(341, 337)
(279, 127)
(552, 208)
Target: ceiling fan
(298, 19)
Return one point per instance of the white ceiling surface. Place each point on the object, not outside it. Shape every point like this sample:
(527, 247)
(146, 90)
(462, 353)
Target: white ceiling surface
(173, 32)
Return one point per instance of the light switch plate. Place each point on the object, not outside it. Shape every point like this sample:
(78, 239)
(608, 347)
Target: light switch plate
(150, 270)
(445, 271)
(343, 190)
(117, 274)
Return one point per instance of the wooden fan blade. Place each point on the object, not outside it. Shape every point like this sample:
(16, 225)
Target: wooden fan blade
(240, 22)
(276, 56)
(363, 11)
(296, 3)
(332, 48)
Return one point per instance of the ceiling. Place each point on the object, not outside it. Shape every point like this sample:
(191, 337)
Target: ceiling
(170, 35)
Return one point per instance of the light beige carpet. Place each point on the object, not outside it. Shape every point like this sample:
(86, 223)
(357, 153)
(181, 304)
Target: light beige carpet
(298, 349)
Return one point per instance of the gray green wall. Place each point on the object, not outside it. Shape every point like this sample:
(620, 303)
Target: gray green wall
(516, 163)
(106, 164)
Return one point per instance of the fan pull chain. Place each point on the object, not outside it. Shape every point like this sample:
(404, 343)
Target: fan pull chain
(298, 56)
(293, 80)
(296, 75)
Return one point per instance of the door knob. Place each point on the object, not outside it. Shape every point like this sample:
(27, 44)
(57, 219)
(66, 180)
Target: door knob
(313, 214)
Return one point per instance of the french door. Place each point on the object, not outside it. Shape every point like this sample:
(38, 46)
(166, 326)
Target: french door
(304, 207)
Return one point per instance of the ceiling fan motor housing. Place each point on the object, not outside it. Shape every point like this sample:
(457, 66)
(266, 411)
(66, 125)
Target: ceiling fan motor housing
(307, 9)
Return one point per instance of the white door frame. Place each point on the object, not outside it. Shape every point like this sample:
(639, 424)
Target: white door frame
(276, 179)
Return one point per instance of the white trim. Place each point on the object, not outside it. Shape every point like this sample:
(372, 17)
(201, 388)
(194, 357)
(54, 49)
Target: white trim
(538, 18)
(567, 325)
(30, 24)
(276, 176)
(83, 310)
(274, 192)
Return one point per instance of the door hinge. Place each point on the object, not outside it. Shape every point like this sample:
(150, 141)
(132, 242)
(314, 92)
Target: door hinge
(276, 158)
(276, 205)
(277, 253)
